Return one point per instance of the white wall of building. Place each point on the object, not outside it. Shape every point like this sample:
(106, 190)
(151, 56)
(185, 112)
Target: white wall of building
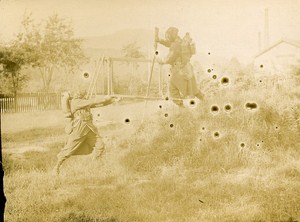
(277, 60)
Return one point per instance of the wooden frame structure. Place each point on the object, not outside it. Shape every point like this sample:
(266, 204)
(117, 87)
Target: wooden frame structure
(104, 74)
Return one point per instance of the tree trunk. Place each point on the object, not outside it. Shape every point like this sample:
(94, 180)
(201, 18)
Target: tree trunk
(46, 73)
(14, 89)
(49, 79)
(67, 76)
(43, 75)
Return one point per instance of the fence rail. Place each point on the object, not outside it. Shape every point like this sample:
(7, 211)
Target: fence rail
(30, 102)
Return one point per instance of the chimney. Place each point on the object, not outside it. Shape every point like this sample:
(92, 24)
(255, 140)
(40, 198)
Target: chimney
(259, 41)
(266, 32)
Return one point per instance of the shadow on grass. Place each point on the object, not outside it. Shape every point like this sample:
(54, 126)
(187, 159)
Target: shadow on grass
(32, 134)
(72, 217)
(32, 160)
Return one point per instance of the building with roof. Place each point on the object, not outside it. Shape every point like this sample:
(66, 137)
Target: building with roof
(278, 58)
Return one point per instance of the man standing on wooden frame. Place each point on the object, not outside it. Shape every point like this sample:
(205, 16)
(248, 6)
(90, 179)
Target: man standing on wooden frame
(183, 82)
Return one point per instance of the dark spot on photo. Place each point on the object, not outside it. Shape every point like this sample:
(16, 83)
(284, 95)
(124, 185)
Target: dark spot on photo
(127, 120)
(242, 145)
(224, 81)
(216, 134)
(86, 75)
(214, 109)
(251, 106)
(214, 76)
(192, 102)
(227, 107)
(209, 53)
(156, 52)
(171, 125)
(203, 128)
(160, 106)
(261, 66)
(166, 114)
(209, 70)
(167, 98)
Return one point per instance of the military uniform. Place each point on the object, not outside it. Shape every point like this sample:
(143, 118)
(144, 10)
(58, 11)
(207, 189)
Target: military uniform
(183, 82)
(83, 135)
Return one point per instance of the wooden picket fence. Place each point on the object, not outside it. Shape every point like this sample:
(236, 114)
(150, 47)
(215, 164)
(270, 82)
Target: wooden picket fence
(28, 102)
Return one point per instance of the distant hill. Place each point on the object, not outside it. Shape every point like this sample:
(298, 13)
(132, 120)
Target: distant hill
(98, 52)
(112, 44)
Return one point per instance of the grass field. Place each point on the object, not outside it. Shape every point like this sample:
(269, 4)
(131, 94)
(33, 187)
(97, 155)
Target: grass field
(229, 165)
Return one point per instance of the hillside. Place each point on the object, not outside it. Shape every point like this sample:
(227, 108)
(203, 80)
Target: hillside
(118, 40)
(111, 45)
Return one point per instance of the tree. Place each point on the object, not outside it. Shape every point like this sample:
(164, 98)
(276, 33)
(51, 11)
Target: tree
(131, 50)
(234, 66)
(52, 46)
(12, 60)
(295, 72)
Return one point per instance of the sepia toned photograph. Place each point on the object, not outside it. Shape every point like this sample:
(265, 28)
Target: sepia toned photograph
(150, 110)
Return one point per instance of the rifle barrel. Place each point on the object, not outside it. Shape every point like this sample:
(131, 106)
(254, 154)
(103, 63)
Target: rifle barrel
(144, 97)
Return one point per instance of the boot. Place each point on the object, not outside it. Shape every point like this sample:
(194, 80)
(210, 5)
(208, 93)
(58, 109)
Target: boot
(200, 96)
(98, 153)
(179, 103)
(57, 167)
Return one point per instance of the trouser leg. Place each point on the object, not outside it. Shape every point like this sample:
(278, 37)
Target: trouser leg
(174, 93)
(99, 147)
(60, 159)
(95, 140)
(73, 142)
(58, 164)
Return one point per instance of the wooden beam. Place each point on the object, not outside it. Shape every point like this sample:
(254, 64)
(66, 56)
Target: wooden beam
(143, 97)
(119, 59)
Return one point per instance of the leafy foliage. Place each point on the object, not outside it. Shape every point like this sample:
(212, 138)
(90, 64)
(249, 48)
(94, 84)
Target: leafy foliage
(51, 46)
(132, 51)
(134, 83)
(12, 59)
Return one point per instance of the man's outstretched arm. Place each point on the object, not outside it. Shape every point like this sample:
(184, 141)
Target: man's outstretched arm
(164, 42)
(83, 103)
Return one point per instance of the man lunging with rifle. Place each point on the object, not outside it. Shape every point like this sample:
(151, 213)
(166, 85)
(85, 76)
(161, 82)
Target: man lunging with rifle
(83, 137)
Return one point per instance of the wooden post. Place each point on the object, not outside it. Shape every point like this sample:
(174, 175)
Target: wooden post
(107, 75)
(1, 105)
(15, 103)
(160, 81)
(111, 76)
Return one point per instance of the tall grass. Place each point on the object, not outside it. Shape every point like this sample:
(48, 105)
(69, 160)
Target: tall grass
(154, 172)
(240, 172)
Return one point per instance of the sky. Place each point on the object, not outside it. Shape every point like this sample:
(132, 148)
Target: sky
(227, 28)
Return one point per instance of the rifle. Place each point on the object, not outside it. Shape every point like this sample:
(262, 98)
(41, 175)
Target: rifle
(119, 97)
